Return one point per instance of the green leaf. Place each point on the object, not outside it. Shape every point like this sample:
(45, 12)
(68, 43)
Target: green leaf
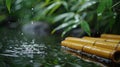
(68, 29)
(77, 18)
(116, 4)
(108, 4)
(111, 22)
(101, 7)
(53, 5)
(63, 26)
(76, 6)
(8, 4)
(70, 16)
(104, 4)
(65, 4)
(85, 27)
(86, 5)
(47, 1)
(54, 9)
(49, 8)
(62, 16)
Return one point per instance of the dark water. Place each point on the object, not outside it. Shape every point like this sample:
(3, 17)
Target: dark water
(18, 50)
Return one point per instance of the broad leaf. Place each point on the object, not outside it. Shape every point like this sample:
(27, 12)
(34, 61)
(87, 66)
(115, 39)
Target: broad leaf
(54, 9)
(76, 6)
(85, 27)
(101, 7)
(63, 26)
(8, 4)
(68, 29)
(86, 5)
(108, 4)
(62, 16)
(50, 7)
(65, 4)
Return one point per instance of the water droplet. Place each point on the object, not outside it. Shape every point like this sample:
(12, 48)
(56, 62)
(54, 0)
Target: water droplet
(114, 17)
(31, 61)
(99, 14)
(32, 9)
(10, 47)
(33, 41)
(57, 66)
(21, 33)
(32, 22)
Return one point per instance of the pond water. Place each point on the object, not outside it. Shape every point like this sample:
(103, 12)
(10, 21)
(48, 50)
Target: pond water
(19, 50)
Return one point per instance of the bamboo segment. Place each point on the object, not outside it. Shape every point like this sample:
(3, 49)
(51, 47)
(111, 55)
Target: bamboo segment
(72, 45)
(102, 39)
(78, 40)
(108, 45)
(102, 52)
(118, 47)
(93, 41)
(97, 51)
(110, 36)
(112, 40)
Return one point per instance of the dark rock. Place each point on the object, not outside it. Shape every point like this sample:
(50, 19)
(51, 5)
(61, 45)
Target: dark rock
(36, 29)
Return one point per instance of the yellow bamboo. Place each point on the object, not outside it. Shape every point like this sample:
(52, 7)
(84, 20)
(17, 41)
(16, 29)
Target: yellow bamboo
(108, 45)
(110, 36)
(102, 52)
(72, 45)
(79, 40)
(93, 39)
(95, 42)
(102, 39)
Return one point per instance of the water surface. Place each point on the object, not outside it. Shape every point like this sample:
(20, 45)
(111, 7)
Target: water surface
(19, 50)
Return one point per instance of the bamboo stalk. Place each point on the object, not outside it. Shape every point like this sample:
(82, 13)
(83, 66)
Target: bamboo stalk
(114, 55)
(79, 40)
(102, 39)
(108, 45)
(110, 36)
(72, 45)
(93, 41)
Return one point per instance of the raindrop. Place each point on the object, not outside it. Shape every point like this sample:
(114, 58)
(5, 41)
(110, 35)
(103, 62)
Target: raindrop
(33, 41)
(59, 58)
(31, 61)
(32, 9)
(10, 47)
(114, 17)
(99, 14)
(21, 33)
(74, 26)
(32, 22)
(57, 66)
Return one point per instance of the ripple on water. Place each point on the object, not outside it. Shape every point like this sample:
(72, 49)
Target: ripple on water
(26, 49)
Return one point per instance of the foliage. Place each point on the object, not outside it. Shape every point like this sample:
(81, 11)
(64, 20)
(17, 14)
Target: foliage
(74, 16)
(65, 14)
(8, 4)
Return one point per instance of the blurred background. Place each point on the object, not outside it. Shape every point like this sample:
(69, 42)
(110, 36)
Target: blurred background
(38, 26)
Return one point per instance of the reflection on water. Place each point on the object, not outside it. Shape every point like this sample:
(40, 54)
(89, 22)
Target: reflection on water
(26, 50)
(18, 50)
